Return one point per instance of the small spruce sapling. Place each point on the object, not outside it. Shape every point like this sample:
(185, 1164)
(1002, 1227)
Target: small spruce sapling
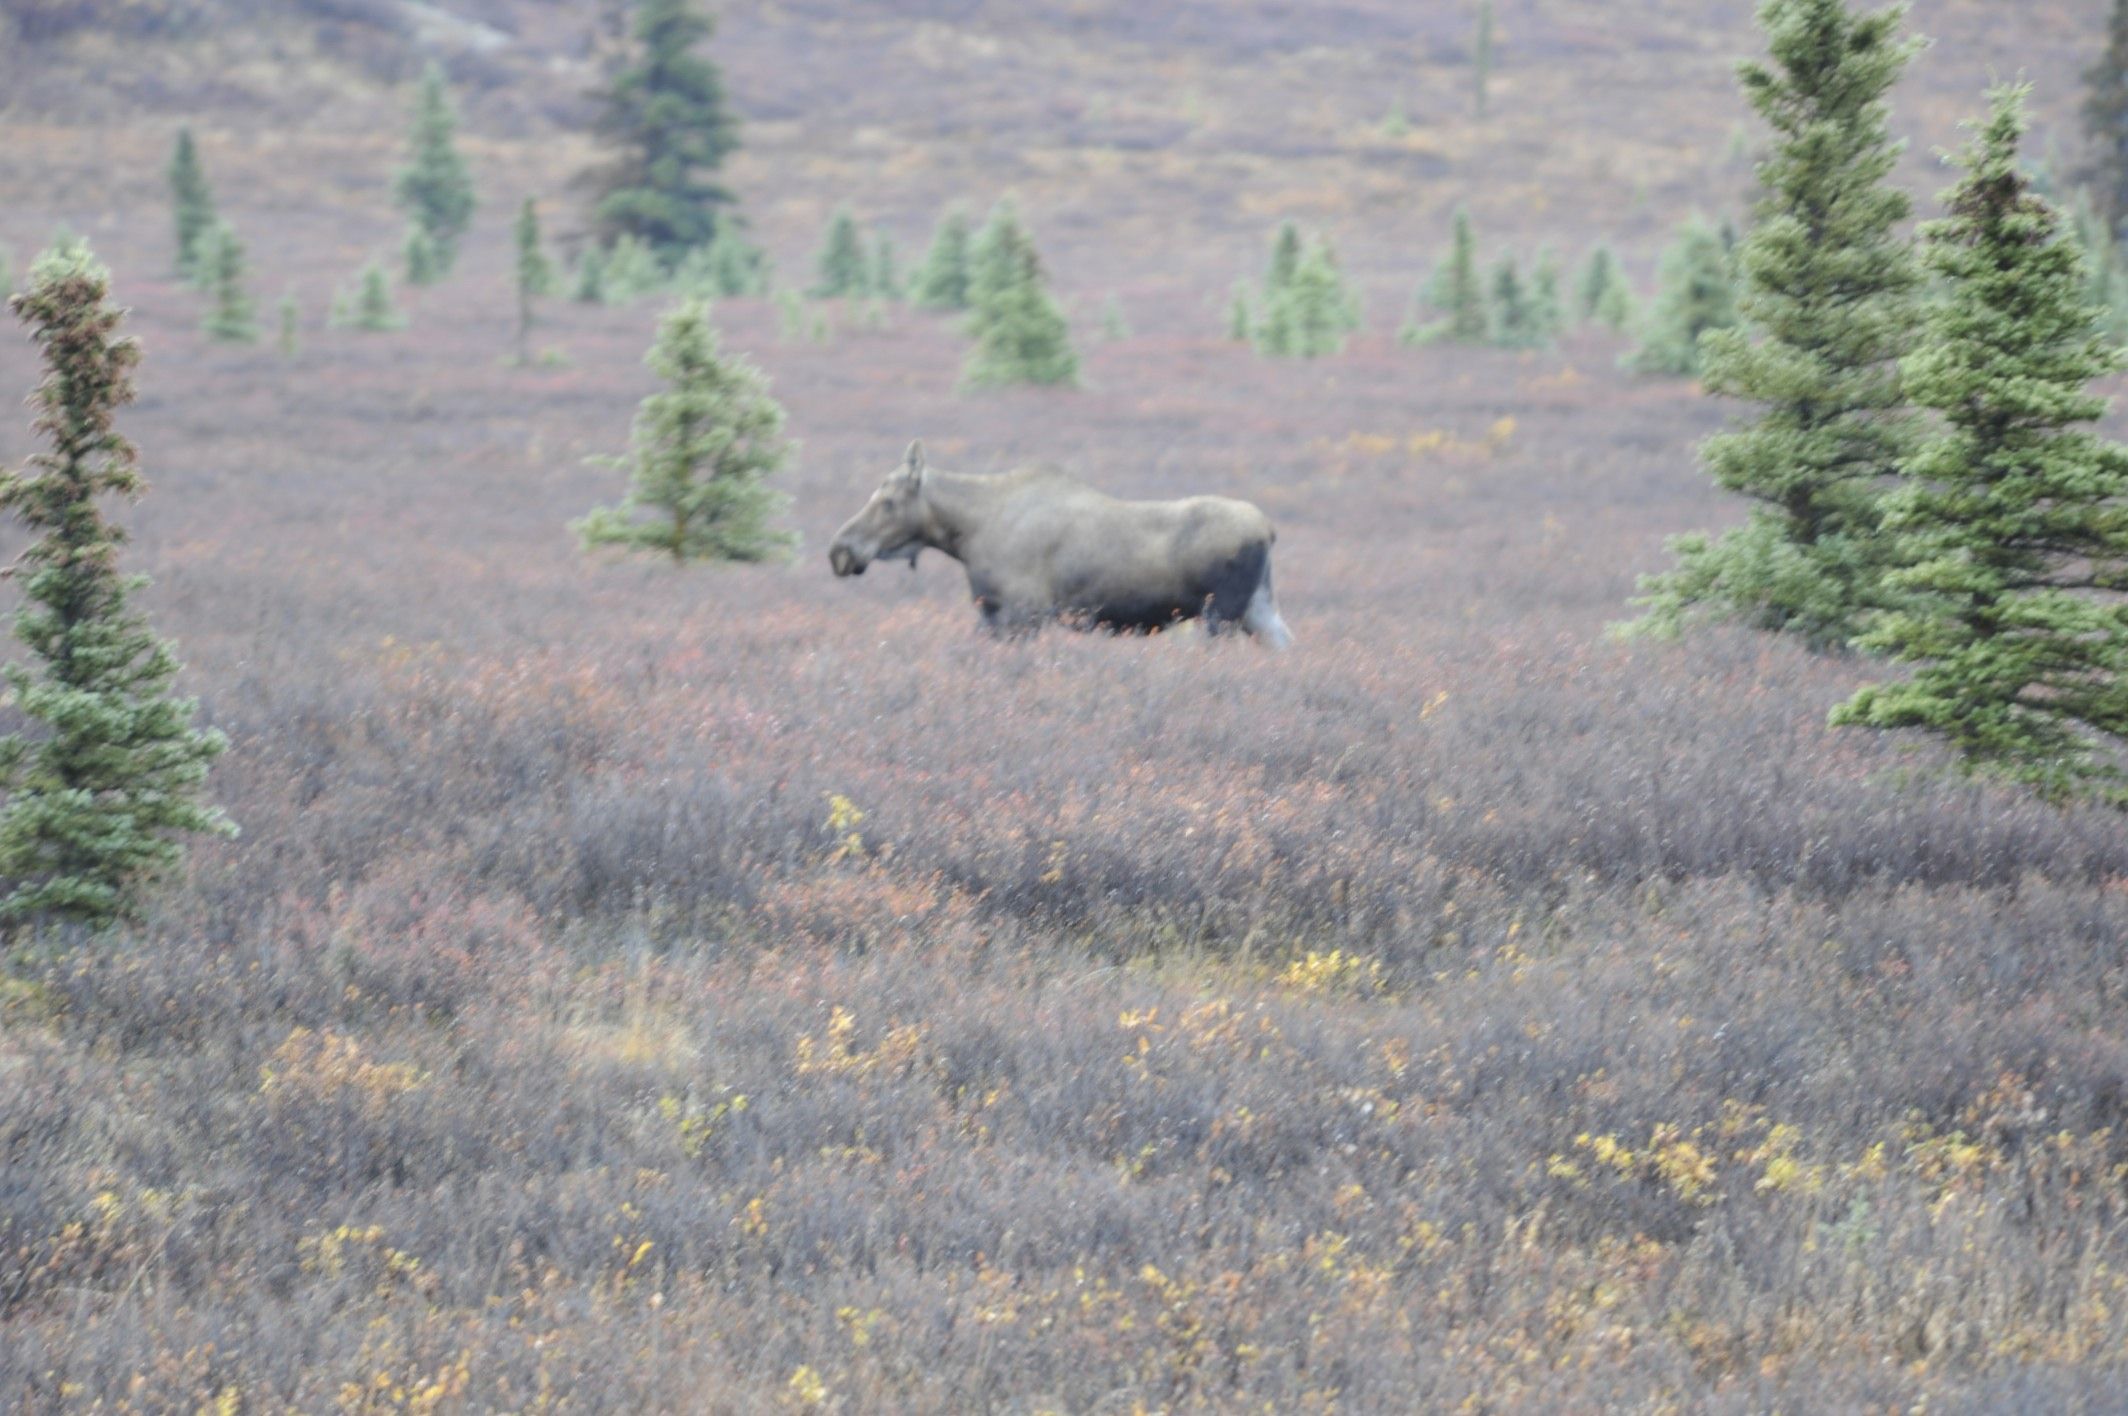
(631, 272)
(370, 309)
(1696, 295)
(231, 319)
(289, 316)
(841, 271)
(192, 204)
(535, 275)
(589, 287)
(942, 281)
(884, 282)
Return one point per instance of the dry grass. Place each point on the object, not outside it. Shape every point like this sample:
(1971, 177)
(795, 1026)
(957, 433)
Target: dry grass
(1463, 1008)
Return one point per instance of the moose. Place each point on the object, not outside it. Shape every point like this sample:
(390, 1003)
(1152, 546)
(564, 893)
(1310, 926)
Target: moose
(1042, 546)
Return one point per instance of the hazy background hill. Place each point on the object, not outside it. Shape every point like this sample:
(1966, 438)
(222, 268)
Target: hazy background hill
(1152, 143)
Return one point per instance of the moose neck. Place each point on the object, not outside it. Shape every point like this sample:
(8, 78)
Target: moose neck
(954, 505)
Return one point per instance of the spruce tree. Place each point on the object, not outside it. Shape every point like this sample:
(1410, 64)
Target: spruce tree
(840, 270)
(435, 189)
(737, 266)
(1696, 293)
(701, 455)
(884, 281)
(424, 261)
(231, 319)
(590, 285)
(1020, 334)
(1309, 314)
(1830, 302)
(665, 116)
(192, 203)
(109, 777)
(2012, 520)
(1239, 319)
(790, 315)
(1514, 317)
(1547, 311)
(370, 308)
(2106, 122)
(1457, 289)
(535, 275)
(942, 281)
(1599, 279)
(994, 254)
(630, 271)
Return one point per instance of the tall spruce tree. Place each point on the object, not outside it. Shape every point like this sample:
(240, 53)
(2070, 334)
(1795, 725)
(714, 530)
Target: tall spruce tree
(435, 188)
(2012, 520)
(1020, 334)
(665, 116)
(108, 779)
(702, 453)
(1830, 299)
(2106, 122)
(942, 281)
(192, 204)
(232, 318)
(840, 271)
(535, 275)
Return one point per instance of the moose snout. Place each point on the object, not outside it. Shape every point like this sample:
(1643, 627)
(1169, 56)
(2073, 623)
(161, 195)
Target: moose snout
(845, 560)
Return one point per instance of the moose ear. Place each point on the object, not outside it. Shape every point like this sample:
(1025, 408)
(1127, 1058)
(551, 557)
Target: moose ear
(913, 466)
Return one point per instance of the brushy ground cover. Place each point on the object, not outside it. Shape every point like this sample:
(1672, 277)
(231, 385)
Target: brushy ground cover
(741, 990)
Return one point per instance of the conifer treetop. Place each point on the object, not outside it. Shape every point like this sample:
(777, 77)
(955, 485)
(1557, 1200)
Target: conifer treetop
(89, 377)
